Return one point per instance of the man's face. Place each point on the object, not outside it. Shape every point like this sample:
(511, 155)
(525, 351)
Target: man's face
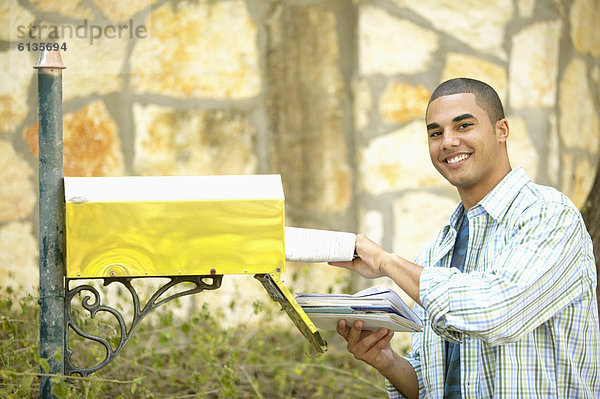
(463, 144)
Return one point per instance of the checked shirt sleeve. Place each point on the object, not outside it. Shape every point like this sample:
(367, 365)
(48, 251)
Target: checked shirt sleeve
(537, 272)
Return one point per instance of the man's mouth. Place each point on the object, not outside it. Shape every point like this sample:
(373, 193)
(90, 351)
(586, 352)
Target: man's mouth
(457, 158)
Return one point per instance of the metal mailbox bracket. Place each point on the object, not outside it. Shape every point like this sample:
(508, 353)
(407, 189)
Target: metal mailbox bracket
(139, 313)
(271, 282)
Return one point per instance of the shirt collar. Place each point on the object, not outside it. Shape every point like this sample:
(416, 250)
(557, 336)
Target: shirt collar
(455, 216)
(497, 201)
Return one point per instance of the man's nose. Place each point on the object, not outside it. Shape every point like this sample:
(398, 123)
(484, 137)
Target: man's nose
(450, 139)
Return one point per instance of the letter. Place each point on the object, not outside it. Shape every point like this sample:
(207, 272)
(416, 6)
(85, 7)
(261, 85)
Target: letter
(95, 33)
(139, 30)
(107, 31)
(312, 245)
(84, 26)
(53, 34)
(31, 28)
(62, 31)
(20, 32)
(121, 27)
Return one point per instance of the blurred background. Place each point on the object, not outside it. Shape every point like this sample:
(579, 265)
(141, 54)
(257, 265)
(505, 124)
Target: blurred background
(329, 94)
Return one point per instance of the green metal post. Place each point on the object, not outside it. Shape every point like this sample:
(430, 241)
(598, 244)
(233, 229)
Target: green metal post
(52, 217)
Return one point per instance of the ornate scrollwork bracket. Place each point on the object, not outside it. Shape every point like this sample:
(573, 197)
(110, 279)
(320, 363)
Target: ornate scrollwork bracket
(201, 283)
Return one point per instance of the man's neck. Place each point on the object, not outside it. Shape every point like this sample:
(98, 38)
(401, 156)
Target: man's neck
(471, 196)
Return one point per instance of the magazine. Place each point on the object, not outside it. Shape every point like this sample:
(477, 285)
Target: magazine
(375, 306)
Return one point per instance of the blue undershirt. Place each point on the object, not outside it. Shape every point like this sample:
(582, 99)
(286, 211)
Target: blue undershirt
(452, 380)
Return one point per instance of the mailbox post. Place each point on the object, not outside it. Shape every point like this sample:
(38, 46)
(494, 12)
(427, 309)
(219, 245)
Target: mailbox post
(52, 216)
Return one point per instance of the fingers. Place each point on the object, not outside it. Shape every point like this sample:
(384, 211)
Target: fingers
(361, 240)
(354, 335)
(368, 258)
(363, 243)
(343, 329)
(350, 333)
(378, 346)
(360, 344)
(364, 345)
(345, 264)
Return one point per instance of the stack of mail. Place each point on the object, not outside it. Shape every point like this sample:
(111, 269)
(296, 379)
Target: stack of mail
(376, 307)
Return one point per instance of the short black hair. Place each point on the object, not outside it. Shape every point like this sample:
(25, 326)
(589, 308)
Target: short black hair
(485, 96)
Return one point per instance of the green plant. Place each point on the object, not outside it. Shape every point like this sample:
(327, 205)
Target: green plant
(171, 357)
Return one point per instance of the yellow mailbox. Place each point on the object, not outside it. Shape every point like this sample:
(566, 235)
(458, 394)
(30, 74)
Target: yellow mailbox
(181, 226)
(165, 226)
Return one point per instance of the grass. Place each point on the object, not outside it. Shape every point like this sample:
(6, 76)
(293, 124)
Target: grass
(173, 357)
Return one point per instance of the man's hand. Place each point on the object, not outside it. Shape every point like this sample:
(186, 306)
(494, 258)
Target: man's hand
(372, 347)
(369, 260)
(373, 261)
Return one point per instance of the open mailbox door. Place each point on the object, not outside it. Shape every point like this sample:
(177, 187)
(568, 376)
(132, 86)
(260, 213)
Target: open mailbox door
(279, 293)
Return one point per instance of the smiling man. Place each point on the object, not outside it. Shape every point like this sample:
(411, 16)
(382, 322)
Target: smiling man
(506, 290)
(465, 146)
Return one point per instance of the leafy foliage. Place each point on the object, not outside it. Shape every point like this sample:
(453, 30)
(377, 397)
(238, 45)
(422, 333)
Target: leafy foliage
(173, 357)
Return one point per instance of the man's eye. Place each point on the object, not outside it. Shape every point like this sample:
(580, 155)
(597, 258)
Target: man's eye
(435, 134)
(465, 125)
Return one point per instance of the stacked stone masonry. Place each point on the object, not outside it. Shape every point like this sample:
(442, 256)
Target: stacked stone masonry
(331, 95)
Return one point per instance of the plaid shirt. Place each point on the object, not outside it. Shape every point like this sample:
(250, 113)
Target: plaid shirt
(525, 307)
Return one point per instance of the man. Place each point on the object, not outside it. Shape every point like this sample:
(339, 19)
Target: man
(506, 290)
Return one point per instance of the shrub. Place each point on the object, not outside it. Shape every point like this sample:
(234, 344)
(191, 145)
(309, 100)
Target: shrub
(171, 357)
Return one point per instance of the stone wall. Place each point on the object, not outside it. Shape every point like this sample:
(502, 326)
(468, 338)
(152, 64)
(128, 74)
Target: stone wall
(330, 94)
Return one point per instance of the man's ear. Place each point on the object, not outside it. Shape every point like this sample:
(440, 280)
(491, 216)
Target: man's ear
(502, 130)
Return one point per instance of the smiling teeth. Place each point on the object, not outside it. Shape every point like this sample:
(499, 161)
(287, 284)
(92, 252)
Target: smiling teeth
(458, 158)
